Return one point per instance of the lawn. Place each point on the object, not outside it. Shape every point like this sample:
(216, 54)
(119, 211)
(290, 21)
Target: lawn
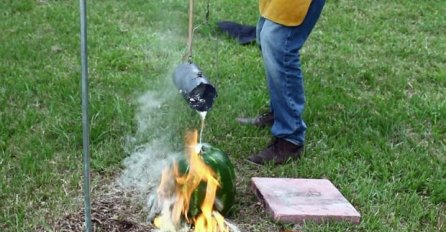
(375, 77)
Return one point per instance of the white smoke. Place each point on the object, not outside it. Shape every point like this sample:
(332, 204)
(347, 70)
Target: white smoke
(144, 166)
(150, 149)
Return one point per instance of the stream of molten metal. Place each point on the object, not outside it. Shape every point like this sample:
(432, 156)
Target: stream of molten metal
(179, 188)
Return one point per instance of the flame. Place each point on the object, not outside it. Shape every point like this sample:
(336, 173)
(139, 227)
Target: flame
(179, 189)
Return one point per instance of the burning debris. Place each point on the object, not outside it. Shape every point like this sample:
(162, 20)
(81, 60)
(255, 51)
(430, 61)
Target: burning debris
(195, 193)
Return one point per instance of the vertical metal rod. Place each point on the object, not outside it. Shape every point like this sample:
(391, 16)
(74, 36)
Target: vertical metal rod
(191, 30)
(85, 120)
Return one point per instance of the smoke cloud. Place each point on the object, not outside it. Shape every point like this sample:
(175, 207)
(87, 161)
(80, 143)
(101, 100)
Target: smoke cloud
(150, 149)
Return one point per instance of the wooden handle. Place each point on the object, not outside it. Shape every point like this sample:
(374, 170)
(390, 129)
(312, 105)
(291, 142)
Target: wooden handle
(191, 29)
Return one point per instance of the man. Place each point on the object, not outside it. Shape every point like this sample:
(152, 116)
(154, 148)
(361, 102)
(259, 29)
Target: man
(282, 29)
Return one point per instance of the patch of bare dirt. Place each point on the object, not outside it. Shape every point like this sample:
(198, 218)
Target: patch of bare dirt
(114, 210)
(109, 212)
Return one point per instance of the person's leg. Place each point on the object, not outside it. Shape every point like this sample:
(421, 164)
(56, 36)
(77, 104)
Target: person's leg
(265, 119)
(280, 50)
(280, 46)
(259, 27)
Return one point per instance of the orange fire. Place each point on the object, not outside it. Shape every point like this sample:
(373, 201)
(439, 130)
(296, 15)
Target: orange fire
(179, 189)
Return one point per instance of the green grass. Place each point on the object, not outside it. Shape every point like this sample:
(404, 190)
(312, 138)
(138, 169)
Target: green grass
(375, 75)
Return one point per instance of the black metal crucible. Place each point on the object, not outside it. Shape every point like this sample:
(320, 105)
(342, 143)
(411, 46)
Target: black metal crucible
(193, 85)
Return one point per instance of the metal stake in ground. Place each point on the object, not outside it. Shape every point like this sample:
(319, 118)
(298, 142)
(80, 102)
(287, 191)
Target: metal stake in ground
(85, 121)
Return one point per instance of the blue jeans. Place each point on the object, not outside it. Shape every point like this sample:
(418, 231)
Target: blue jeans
(280, 46)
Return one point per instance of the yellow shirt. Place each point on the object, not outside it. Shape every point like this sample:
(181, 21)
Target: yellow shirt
(285, 12)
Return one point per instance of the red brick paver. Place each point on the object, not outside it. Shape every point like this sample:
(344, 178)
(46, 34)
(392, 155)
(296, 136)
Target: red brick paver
(299, 200)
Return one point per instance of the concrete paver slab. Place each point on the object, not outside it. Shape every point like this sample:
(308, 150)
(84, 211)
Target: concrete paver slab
(298, 200)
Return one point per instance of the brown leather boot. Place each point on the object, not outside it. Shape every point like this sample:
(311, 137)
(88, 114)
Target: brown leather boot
(278, 152)
(263, 120)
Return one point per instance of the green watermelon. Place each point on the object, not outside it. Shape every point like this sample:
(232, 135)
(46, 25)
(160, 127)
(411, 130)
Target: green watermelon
(223, 168)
